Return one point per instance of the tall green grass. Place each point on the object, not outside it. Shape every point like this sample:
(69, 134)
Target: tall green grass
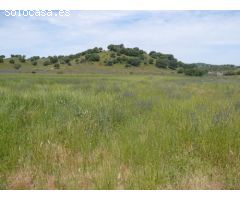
(119, 132)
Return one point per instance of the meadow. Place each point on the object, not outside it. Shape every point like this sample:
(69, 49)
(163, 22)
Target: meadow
(126, 131)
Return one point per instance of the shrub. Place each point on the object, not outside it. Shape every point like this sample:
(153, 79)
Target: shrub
(180, 70)
(17, 66)
(57, 66)
(238, 72)
(151, 61)
(1, 60)
(11, 61)
(134, 61)
(46, 63)
(229, 73)
(194, 72)
(34, 63)
(94, 57)
(112, 55)
(161, 63)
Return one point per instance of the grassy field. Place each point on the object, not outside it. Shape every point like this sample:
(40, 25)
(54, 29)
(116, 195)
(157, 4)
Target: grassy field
(119, 132)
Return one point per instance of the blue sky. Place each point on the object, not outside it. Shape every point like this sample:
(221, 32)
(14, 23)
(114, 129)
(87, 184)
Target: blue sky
(192, 36)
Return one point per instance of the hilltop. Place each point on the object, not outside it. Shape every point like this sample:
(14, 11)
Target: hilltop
(117, 58)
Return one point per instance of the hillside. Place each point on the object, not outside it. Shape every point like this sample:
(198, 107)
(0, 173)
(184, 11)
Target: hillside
(116, 59)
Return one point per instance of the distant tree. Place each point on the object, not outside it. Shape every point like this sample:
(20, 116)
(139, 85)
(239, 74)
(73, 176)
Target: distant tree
(161, 63)
(22, 58)
(17, 66)
(53, 59)
(151, 61)
(34, 63)
(57, 66)
(11, 61)
(194, 71)
(34, 58)
(46, 63)
(1, 59)
(180, 70)
(94, 57)
(2, 56)
(134, 61)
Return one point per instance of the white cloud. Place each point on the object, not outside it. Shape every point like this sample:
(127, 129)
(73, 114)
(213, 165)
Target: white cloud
(192, 36)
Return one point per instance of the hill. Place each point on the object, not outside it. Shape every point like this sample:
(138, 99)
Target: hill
(117, 58)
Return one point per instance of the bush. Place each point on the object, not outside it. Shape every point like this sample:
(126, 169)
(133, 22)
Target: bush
(151, 61)
(229, 73)
(1, 60)
(57, 66)
(17, 66)
(11, 61)
(134, 61)
(194, 72)
(161, 63)
(34, 63)
(46, 63)
(94, 57)
(238, 72)
(180, 70)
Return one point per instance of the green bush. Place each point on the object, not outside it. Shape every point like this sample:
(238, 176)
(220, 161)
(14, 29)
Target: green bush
(194, 72)
(180, 70)
(94, 57)
(134, 61)
(46, 63)
(11, 61)
(161, 63)
(229, 73)
(34, 63)
(57, 66)
(17, 66)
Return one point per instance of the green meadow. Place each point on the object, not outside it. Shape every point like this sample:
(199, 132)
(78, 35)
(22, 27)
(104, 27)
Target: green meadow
(127, 131)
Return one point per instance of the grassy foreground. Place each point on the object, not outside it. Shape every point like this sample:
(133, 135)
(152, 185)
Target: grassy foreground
(119, 132)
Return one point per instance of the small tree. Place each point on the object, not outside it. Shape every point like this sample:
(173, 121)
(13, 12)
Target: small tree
(11, 61)
(17, 66)
(34, 63)
(46, 63)
(57, 66)
(161, 63)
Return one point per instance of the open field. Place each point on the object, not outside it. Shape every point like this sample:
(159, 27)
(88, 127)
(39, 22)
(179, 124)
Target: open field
(119, 132)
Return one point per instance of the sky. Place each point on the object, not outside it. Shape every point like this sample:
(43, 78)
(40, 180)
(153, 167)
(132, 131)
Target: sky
(191, 36)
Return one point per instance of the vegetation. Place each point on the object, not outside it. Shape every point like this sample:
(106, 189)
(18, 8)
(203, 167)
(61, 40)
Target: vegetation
(120, 56)
(119, 132)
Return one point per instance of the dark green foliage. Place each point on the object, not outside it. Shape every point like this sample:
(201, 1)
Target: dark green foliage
(112, 55)
(2, 58)
(94, 57)
(134, 61)
(17, 66)
(11, 61)
(120, 49)
(57, 66)
(92, 51)
(180, 70)
(162, 63)
(53, 59)
(230, 73)
(34, 58)
(151, 61)
(66, 60)
(194, 72)
(34, 63)
(46, 63)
